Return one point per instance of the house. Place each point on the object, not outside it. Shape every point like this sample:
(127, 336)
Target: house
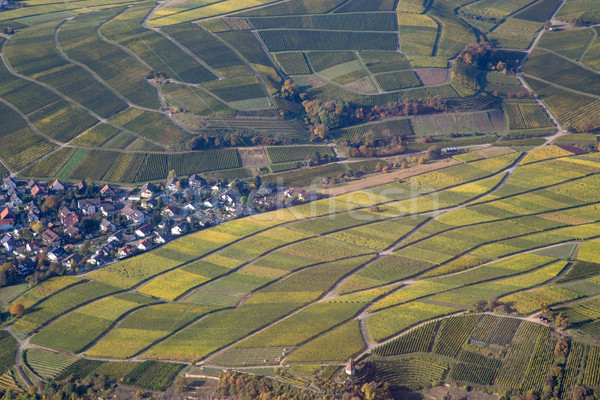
(162, 237)
(138, 217)
(145, 244)
(51, 238)
(30, 184)
(107, 226)
(172, 184)
(9, 243)
(135, 216)
(196, 181)
(179, 229)
(7, 213)
(88, 206)
(72, 231)
(26, 266)
(229, 196)
(125, 251)
(6, 224)
(57, 254)
(72, 260)
(99, 258)
(144, 230)
(147, 190)
(211, 202)
(116, 237)
(170, 211)
(191, 207)
(202, 191)
(149, 204)
(9, 183)
(63, 212)
(32, 247)
(108, 209)
(15, 200)
(107, 191)
(70, 219)
(300, 194)
(57, 185)
(36, 190)
(32, 217)
(81, 186)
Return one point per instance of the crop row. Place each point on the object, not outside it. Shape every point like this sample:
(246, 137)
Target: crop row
(209, 49)
(350, 22)
(572, 370)
(284, 40)
(453, 334)
(515, 363)
(418, 340)
(293, 63)
(47, 364)
(150, 375)
(296, 7)
(591, 375)
(411, 373)
(297, 153)
(78, 329)
(139, 167)
(394, 127)
(539, 364)
(8, 350)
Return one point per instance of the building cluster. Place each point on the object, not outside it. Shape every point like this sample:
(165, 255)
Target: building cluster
(73, 227)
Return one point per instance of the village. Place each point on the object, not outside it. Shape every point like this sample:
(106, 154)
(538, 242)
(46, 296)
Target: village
(59, 228)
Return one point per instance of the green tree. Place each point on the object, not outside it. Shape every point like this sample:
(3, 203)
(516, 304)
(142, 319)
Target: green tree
(8, 274)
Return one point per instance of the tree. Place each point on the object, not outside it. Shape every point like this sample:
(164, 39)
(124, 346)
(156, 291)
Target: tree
(492, 303)
(379, 166)
(562, 321)
(181, 384)
(172, 174)
(547, 24)
(480, 305)
(561, 347)
(50, 203)
(8, 274)
(320, 131)
(17, 309)
(421, 160)
(257, 181)
(370, 138)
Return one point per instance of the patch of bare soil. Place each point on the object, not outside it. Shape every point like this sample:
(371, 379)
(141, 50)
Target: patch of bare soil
(253, 157)
(433, 76)
(494, 151)
(382, 179)
(314, 82)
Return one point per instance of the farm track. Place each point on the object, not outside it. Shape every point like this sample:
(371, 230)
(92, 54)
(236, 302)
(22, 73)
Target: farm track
(249, 65)
(90, 71)
(362, 316)
(191, 290)
(590, 41)
(189, 53)
(325, 295)
(532, 46)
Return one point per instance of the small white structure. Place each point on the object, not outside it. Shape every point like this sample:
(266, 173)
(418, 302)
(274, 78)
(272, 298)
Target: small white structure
(350, 370)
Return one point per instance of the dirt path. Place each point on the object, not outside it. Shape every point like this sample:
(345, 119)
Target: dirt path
(382, 179)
